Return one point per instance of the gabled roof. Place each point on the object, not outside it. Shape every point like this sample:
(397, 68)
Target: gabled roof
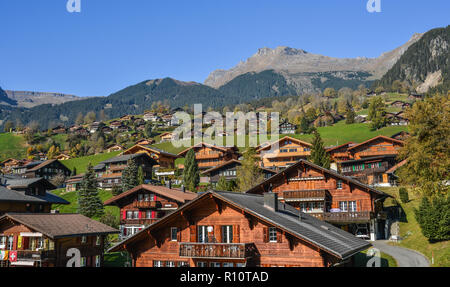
(175, 194)
(203, 144)
(151, 148)
(8, 195)
(268, 145)
(376, 138)
(325, 236)
(60, 225)
(324, 170)
(124, 158)
(15, 183)
(231, 162)
(44, 164)
(339, 146)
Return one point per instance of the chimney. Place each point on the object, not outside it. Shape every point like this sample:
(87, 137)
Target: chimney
(271, 201)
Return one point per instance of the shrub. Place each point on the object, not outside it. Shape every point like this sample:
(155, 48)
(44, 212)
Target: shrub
(433, 217)
(404, 196)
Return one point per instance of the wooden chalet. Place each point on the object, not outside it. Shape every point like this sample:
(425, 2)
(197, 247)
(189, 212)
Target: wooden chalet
(47, 169)
(224, 229)
(145, 142)
(145, 204)
(283, 153)
(109, 172)
(377, 146)
(63, 156)
(209, 156)
(340, 153)
(42, 240)
(329, 196)
(113, 148)
(228, 170)
(165, 159)
(166, 137)
(287, 128)
(73, 183)
(7, 165)
(27, 195)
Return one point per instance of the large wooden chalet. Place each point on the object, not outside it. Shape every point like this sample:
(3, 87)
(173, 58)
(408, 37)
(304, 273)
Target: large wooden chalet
(109, 172)
(209, 156)
(164, 159)
(145, 204)
(283, 153)
(329, 196)
(224, 229)
(42, 240)
(47, 169)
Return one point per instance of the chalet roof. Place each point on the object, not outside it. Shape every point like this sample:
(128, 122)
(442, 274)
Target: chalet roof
(152, 148)
(124, 158)
(340, 146)
(99, 166)
(175, 194)
(268, 145)
(231, 162)
(400, 133)
(42, 165)
(61, 225)
(330, 172)
(374, 139)
(203, 144)
(14, 183)
(8, 195)
(321, 234)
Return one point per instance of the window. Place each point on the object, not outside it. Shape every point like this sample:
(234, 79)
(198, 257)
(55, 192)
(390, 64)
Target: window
(227, 234)
(170, 264)
(174, 234)
(203, 233)
(83, 239)
(97, 261)
(10, 243)
(136, 215)
(83, 262)
(228, 264)
(140, 197)
(158, 264)
(129, 214)
(352, 206)
(3, 242)
(98, 241)
(182, 264)
(202, 264)
(339, 184)
(343, 206)
(214, 265)
(272, 235)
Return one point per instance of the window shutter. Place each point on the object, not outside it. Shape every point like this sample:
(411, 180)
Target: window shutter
(236, 234)
(193, 233)
(124, 215)
(218, 233)
(140, 214)
(279, 237)
(266, 234)
(178, 234)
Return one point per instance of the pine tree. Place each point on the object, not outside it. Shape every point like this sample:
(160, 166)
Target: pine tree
(350, 115)
(116, 190)
(434, 217)
(222, 184)
(140, 176)
(249, 174)
(191, 175)
(89, 202)
(130, 176)
(377, 114)
(319, 155)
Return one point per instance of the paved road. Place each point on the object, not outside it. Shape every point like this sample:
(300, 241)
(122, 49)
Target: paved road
(405, 257)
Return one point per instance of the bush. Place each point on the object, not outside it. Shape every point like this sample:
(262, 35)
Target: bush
(434, 218)
(404, 196)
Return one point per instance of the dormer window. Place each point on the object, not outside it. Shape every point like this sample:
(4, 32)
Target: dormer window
(339, 184)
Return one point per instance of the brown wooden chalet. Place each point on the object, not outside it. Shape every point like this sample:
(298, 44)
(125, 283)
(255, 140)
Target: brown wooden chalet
(109, 172)
(27, 195)
(145, 204)
(228, 170)
(376, 146)
(42, 240)
(47, 169)
(209, 156)
(329, 196)
(340, 153)
(224, 229)
(283, 153)
(165, 159)
(7, 165)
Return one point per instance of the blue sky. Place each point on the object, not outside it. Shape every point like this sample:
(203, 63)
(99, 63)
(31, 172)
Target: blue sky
(113, 44)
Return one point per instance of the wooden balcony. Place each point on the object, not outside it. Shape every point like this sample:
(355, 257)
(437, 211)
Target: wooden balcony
(376, 153)
(146, 204)
(211, 155)
(28, 255)
(344, 217)
(217, 250)
(304, 195)
(142, 221)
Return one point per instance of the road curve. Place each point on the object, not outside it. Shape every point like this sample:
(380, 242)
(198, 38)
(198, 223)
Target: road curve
(404, 257)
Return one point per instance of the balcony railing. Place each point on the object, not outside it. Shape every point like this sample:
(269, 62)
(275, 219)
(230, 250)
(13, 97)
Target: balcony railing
(29, 255)
(217, 250)
(142, 221)
(344, 217)
(303, 195)
(145, 204)
(376, 153)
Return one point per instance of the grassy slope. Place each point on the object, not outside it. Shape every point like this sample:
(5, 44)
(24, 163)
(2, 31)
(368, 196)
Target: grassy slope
(73, 206)
(413, 237)
(82, 163)
(12, 146)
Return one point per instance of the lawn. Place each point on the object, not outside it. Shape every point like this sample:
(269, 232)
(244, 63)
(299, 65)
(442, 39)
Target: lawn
(361, 260)
(117, 259)
(73, 199)
(82, 163)
(12, 146)
(412, 235)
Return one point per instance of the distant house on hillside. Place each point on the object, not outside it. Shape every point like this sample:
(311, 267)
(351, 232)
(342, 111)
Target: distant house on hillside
(47, 170)
(402, 136)
(114, 147)
(165, 137)
(287, 128)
